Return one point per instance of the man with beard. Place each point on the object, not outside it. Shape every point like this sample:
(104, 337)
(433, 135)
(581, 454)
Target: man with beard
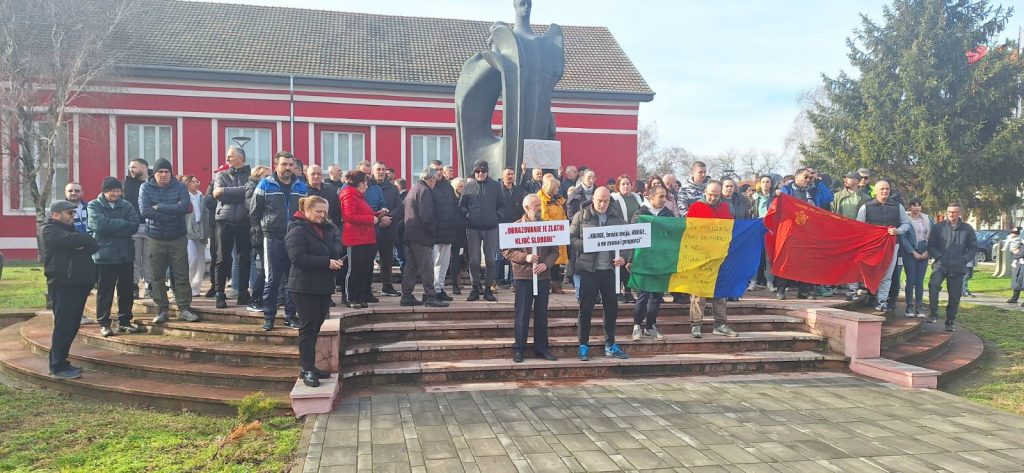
(711, 206)
(138, 172)
(511, 211)
(526, 264)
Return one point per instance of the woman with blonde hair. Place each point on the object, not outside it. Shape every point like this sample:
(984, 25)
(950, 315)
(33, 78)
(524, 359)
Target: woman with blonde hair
(552, 207)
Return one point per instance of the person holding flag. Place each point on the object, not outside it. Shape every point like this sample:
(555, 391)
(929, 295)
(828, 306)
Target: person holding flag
(648, 302)
(711, 206)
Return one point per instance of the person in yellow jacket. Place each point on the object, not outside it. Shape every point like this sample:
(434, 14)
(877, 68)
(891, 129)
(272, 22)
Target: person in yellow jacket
(552, 207)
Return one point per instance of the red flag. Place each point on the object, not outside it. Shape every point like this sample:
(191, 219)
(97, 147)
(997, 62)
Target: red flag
(812, 245)
(976, 55)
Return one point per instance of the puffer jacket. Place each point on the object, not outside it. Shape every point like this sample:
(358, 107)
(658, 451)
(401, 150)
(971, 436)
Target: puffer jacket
(446, 212)
(689, 193)
(273, 207)
(310, 251)
(585, 218)
(553, 209)
(113, 227)
(67, 259)
(231, 206)
(818, 195)
(480, 203)
(357, 219)
(164, 209)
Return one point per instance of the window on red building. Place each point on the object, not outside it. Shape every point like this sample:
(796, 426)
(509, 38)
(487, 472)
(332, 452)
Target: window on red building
(61, 175)
(258, 151)
(149, 142)
(344, 149)
(426, 148)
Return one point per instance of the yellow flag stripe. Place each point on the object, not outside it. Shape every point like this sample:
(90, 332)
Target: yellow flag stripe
(702, 250)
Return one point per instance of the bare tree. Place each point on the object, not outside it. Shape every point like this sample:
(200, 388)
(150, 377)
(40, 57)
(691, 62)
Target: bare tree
(51, 51)
(802, 132)
(753, 163)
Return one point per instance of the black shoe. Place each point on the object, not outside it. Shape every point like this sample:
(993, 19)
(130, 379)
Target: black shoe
(547, 356)
(161, 317)
(254, 306)
(489, 295)
(621, 298)
(1011, 301)
(222, 302)
(432, 302)
(355, 305)
(310, 379)
(409, 300)
(517, 357)
(148, 293)
(442, 296)
(268, 325)
(389, 291)
(457, 290)
(291, 321)
(372, 299)
(321, 374)
(474, 295)
(801, 295)
(629, 299)
(243, 298)
(127, 327)
(333, 304)
(209, 294)
(106, 332)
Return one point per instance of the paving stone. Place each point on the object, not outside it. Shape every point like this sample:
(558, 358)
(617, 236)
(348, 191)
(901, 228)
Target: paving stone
(386, 436)
(532, 444)
(477, 431)
(577, 442)
(546, 462)
(333, 456)
(689, 456)
(778, 451)
(392, 468)
(497, 464)
(596, 461)
(390, 453)
(734, 454)
(436, 450)
(903, 464)
(450, 465)
(644, 459)
(486, 447)
(521, 428)
(989, 461)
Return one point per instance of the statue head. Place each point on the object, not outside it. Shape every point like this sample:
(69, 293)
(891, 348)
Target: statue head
(523, 8)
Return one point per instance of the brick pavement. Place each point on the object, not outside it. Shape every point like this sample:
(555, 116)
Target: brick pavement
(755, 423)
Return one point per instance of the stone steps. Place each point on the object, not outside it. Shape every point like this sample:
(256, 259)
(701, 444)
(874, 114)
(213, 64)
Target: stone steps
(20, 361)
(269, 378)
(242, 333)
(600, 366)
(930, 341)
(930, 346)
(899, 329)
(502, 325)
(566, 347)
(964, 352)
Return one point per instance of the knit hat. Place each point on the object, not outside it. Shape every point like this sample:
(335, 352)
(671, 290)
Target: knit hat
(109, 183)
(162, 164)
(480, 165)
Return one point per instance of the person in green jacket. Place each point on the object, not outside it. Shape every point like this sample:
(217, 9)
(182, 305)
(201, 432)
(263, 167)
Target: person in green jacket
(112, 221)
(848, 200)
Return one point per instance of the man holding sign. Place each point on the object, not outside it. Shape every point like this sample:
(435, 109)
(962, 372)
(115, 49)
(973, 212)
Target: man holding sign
(711, 206)
(597, 272)
(528, 263)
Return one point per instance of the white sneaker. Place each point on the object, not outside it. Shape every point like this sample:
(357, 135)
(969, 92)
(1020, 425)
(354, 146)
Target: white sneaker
(653, 332)
(637, 333)
(86, 320)
(771, 287)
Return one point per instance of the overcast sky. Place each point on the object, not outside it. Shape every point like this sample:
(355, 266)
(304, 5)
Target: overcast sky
(727, 73)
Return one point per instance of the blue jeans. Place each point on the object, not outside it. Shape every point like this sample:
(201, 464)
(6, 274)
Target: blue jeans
(277, 266)
(915, 269)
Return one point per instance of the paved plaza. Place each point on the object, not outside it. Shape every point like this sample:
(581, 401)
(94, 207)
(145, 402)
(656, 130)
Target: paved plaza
(759, 423)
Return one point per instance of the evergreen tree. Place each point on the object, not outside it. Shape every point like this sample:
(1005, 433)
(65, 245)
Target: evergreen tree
(918, 113)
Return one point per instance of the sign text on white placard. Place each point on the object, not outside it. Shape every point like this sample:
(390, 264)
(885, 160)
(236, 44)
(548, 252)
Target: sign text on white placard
(616, 237)
(542, 154)
(530, 234)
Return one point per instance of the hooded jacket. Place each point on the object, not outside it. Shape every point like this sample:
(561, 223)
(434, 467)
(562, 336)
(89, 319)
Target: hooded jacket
(419, 214)
(480, 203)
(164, 209)
(112, 226)
(585, 218)
(67, 259)
(704, 209)
(577, 197)
(273, 206)
(255, 230)
(357, 219)
(648, 209)
(310, 248)
(231, 206)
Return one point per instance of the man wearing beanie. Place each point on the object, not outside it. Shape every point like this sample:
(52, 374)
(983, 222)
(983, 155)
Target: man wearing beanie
(164, 202)
(481, 202)
(112, 222)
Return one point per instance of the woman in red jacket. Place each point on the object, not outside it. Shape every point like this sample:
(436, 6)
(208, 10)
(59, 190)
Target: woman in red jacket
(360, 237)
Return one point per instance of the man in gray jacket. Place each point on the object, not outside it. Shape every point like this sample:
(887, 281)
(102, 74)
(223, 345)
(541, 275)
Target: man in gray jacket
(953, 244)
(164, 203)
(232, 226)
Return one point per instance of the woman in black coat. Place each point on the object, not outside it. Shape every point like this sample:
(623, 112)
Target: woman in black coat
(314, 248)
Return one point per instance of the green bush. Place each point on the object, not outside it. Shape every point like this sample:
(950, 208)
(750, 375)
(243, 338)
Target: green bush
(256, 406)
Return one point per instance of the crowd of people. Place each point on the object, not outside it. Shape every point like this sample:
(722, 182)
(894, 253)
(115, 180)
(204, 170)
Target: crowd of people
(288, 236)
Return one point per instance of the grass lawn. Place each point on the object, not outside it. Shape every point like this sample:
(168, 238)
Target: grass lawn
(41, 430)
(1000, 381)
(23, 286)
(982, 283)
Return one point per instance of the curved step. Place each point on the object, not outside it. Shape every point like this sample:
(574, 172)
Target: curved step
(21, 362)
(194, 350)
(145, 308)
(929, 342)
(965, 350)
(465, 349)
(557, 327)
(223, 332)
(271, 378)
(897, 330)
(600, 366)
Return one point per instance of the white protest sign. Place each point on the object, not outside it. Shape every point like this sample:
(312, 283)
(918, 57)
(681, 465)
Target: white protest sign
(616, 237)
(532, 235)
(542, 154)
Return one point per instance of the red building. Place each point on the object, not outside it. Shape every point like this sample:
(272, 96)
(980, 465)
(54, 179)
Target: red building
(333, 87)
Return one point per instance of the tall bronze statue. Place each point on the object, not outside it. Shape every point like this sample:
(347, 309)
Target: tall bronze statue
(523, 66)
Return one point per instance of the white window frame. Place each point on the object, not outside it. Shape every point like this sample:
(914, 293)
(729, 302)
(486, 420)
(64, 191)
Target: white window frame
(355, 153)
(24, 197)
(422, 142)
(255, 154)
(141, 127)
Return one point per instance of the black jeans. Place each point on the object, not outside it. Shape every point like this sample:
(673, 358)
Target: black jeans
(68, 305)
(360, 273)
(647, 306)
(233, 237)
(419, 261)
(601, 282)
(386, 253)
(526, 303)
(111, 275)
(313, 309)
(955, 288)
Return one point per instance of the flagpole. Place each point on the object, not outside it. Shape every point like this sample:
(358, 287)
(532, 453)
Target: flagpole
(618, 273)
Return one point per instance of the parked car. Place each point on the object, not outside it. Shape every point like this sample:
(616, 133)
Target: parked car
(989, 239)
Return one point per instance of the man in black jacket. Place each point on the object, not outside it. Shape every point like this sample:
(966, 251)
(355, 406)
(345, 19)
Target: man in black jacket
(70, 275)
(138, 172)
(481, 201)
(387, 233)
(511, 211)
(446, 210)
(952, 243)
(420, 228)
(232, 231)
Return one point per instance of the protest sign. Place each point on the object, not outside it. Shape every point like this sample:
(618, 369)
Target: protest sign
(532, 235)
(615, 238)
(542, 154)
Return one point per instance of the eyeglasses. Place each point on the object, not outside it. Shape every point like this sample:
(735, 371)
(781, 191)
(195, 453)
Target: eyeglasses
(479, 171)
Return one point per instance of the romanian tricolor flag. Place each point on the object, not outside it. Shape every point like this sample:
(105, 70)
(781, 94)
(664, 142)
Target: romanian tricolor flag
(706, 257)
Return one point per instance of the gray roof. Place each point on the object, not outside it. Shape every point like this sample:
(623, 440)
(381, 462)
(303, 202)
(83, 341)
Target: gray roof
(353, 48)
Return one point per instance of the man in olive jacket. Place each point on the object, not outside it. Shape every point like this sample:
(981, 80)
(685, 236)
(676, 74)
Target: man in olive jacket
(953, 244)
(526, 264)
(70, 275)
(112, 222)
